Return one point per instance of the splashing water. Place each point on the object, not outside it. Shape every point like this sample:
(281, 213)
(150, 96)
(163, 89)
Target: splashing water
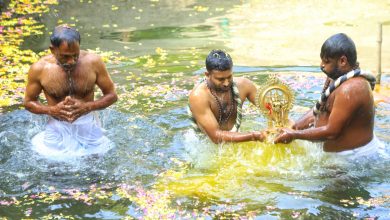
(264, 175)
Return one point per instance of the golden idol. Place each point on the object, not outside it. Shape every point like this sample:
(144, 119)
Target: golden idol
(275, 99)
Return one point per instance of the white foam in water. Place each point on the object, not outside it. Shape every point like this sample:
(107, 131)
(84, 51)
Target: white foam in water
(199, 149)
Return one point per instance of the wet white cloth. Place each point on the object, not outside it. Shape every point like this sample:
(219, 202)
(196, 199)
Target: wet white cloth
(375, 149)
(61, 138)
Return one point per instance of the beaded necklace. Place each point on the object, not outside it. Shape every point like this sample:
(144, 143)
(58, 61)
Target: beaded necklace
(237, 99)
(222, 120)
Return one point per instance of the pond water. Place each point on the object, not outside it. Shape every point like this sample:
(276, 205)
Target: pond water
(159, 168)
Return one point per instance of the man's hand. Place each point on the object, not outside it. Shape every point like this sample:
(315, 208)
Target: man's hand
(300, 126)
(76, 107)
(61, 111)
(291, 124)
(259, 135)
(285, 136)
(306, 121)
(69, 110)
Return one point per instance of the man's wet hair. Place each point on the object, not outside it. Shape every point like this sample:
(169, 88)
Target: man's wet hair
(218, 60)
(64, 33)
(338, 45)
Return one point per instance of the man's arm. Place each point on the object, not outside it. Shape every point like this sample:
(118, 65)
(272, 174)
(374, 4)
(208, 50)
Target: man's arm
(104, 82)
(205, 118)
(344, 106)
(249, 89)
(308, 118)
(107, 87)
(305, 121)
(34, 88)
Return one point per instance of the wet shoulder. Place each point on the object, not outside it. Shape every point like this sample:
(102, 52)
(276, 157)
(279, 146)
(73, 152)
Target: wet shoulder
(200, 90)
(89, 58)
(243, 84)
(43, 64)
(355, 86)
(242, 81)
(199, 96)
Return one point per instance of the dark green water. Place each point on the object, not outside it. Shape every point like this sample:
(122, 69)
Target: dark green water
(153, 138)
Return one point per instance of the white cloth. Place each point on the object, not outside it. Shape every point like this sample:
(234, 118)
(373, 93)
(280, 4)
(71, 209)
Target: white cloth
(375, 149)
(83, 136)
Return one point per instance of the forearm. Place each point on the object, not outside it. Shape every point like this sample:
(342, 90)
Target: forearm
(37, 108)
(228, 136)
(102, 103)
(315, 134)
(305, 121)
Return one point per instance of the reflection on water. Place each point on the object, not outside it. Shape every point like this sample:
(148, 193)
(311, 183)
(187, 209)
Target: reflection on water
(161, 33)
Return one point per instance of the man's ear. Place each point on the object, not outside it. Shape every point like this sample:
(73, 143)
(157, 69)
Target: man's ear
(343, 61)
(52, 49)
(207, 74)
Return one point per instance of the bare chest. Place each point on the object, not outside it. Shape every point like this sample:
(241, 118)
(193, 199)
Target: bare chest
(58, 84)
(224, 109)
(328, 106)
(325, 110)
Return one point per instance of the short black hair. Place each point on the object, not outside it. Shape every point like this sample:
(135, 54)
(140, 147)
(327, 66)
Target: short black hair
(218, 60)
(64, 33)
(338, 45)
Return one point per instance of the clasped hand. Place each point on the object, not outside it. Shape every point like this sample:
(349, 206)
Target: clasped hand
(69, 109)
(285, 136)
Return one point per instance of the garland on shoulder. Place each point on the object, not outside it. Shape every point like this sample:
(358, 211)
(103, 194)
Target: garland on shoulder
(333, 85)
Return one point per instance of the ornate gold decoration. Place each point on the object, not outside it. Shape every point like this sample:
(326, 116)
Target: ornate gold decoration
(275, 99)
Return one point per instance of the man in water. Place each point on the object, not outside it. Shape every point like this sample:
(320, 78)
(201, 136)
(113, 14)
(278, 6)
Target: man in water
(344, 117)
(215, 103)
(67, 78)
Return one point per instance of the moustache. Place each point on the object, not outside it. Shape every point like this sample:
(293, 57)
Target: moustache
(223, 88)
(68, 66)
(333, 74)
(323, 70)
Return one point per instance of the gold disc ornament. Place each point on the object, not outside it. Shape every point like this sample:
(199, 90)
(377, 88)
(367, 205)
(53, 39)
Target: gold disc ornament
(275, 99)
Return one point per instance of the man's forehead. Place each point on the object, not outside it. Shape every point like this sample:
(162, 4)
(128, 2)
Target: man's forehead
(329, 59)
(221, 74)
(69, 44)
(66, 47)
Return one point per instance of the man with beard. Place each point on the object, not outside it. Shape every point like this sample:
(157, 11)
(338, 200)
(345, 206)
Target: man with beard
(67, 78)
(344, 116)
(215, 103)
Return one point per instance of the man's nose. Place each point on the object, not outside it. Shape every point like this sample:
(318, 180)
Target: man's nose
(71, 60)
(226, 83)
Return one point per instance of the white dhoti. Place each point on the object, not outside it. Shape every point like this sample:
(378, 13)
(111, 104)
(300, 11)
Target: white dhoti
(81, 137)
(375, 149)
